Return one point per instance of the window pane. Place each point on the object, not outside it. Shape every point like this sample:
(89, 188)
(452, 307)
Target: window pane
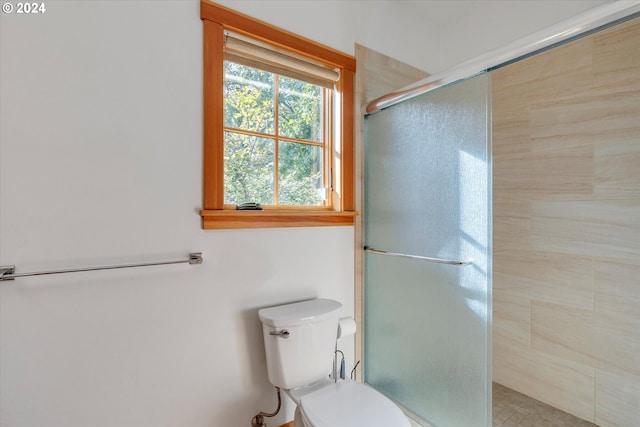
(300, 174)
(248, 98)
(248, 169)
(300, 110)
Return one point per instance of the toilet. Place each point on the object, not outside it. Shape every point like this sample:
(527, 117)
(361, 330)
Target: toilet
(300, 340)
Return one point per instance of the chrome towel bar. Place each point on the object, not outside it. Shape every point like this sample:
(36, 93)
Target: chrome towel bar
(423, 258)
(8, 271)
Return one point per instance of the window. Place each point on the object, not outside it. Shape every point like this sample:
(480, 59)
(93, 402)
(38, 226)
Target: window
(278, 126)
(275, 139)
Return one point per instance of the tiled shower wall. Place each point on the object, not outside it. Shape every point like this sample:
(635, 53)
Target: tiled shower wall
(566, 218)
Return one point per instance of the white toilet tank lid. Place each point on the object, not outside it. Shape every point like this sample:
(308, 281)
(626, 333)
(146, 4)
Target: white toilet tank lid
(299, 312)
(351, 404)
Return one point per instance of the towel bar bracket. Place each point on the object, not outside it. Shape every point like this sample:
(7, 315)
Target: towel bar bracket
(195, 258)
(7, 270)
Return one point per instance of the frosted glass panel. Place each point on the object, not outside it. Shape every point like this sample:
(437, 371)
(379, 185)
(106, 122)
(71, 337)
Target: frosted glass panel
(427, 192)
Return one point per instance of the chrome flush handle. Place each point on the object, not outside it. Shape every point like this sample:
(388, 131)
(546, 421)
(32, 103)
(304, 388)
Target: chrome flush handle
(283, 333)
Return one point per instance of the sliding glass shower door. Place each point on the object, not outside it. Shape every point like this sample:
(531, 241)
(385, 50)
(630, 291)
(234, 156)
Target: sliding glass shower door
(427, 195)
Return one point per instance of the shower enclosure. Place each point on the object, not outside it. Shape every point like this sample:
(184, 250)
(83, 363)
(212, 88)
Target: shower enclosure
(428, 254)
(427, 231)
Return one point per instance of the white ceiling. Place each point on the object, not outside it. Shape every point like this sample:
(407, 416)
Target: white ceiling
(439, 12)
(468, 28)
(445, 13)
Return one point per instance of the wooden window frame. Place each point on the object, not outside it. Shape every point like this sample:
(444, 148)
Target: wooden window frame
(215, 214)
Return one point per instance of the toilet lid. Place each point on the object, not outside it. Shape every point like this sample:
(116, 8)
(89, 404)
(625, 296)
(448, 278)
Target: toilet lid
(351, 404)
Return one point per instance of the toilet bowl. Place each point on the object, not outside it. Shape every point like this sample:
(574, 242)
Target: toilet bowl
(347, 404)
(300, 340)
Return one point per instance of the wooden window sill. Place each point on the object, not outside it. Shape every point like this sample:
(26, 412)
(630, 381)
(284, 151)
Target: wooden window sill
(232, 219)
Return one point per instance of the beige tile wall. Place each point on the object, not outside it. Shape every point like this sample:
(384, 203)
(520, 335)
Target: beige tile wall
(566, 290)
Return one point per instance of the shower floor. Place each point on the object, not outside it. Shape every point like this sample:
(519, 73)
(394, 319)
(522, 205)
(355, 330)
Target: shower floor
(513, 409)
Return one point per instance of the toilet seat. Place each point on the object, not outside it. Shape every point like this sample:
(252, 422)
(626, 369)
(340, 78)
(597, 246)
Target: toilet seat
(350, 404)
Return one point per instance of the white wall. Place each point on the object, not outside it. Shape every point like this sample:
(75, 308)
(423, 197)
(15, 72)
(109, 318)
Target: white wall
(100, 163)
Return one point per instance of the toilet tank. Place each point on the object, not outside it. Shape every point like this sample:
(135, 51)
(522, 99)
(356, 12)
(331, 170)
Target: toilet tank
(302, 353)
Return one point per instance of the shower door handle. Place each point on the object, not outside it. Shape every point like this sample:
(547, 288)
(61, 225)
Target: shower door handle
(422, 258)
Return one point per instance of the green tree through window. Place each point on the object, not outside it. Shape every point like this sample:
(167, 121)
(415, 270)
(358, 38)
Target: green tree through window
(275, 138)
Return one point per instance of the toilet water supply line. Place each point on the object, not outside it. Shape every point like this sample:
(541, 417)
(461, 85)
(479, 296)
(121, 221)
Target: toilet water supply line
(335, 364)
(258, 420)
